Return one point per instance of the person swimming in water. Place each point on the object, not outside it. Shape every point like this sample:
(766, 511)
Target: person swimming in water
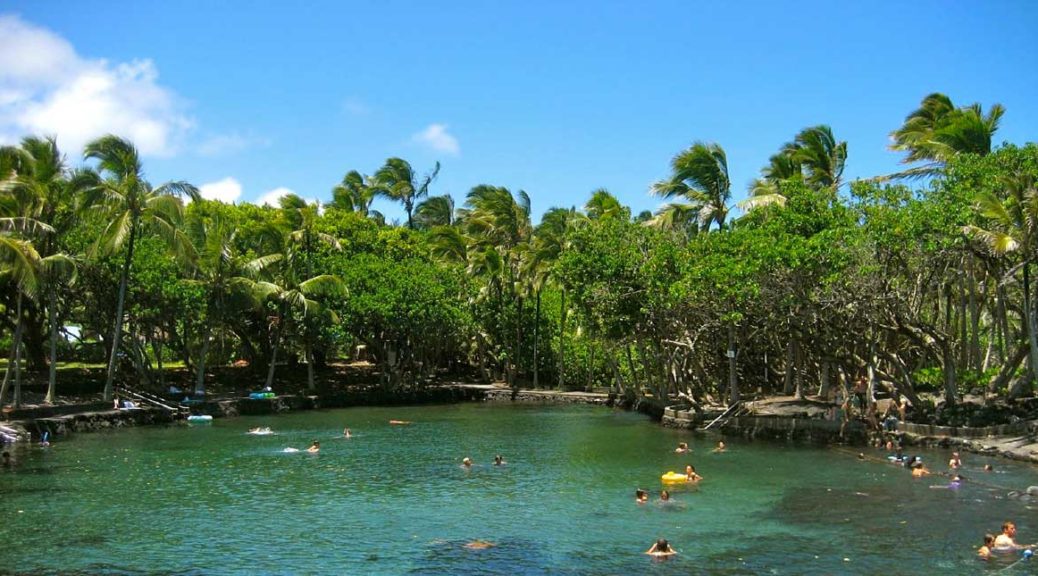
(466, 462)
(346, 433)
(682, 448)
(314, 448)
(499, 460)
(690, 474)
(661, 548)
(640, 495)
(720, 447)
(1007, 539)
(918, 470)
(984, 552)
(955, 462)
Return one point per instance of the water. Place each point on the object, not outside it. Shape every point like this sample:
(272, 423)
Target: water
(395, 500)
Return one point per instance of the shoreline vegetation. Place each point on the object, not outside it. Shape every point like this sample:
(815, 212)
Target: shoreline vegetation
(903, 297)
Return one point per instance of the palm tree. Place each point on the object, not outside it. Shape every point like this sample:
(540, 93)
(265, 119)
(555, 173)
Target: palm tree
(700, 179)
(397, 181)
(937, 131)
(355, 194)
(132, 206)
(821, 156)
(550, 240)
(43, 188)
(603, 204)
(435, 211)
(498, 225)
(284, 284)
(1014, 230)
(21, 262)
(218, 269)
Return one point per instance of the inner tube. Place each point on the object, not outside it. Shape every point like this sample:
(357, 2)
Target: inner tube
(674, 477)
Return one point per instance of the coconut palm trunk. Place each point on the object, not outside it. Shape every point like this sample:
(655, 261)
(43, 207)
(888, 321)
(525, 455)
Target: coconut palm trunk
(52, 319)
(117, 331)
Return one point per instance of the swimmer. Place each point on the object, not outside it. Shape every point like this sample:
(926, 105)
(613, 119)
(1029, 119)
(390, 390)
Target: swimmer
(1007, 539)
(314, 448)
(890, 445)
(479, 545)
(499, 460)
(953, 484)
(984, 552)
(690, 474)
(861, 455)
(466, 462)
(720, 448)
(265, 431)
(989, 468)
(918, 470)
(346, 433)
(955, 462)
(640, 496)
(661, 548)
(399, 422)
(664, 496)
(682, 448)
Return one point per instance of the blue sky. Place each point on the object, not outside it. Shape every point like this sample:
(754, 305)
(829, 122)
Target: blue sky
(556, 98)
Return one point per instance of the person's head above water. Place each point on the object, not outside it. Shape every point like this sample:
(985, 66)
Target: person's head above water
(466, 461)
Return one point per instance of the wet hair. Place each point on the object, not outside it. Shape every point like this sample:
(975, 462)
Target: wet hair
(1007, 524)
(989, 539)
(640, 494)
(662, 545)
(664, 495)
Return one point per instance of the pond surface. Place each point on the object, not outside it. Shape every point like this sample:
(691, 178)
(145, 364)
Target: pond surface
(394, 500)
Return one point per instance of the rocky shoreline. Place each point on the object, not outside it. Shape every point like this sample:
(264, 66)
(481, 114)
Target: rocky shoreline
(775, 419)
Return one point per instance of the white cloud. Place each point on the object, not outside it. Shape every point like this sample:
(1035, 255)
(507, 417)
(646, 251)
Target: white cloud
(227, 190)
(271, 197)
(435, 136)
(47, 88)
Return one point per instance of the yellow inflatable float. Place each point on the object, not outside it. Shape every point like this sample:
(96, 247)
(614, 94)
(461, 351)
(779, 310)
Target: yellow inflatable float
(671, 477)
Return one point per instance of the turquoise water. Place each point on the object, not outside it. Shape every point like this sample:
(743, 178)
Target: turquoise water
(394, 500)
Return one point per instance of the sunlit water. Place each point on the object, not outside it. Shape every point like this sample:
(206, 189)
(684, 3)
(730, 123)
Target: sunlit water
(394, 500)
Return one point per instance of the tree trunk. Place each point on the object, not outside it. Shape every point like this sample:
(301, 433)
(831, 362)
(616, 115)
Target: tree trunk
(950, 381)
(200, 375)
(562, 344)
(17, 402)
(536, 334)
(117, 331)
(823, 389)
(310, 385)
(733, 378)
(1029, 320)
(52, 319)
(787, 384)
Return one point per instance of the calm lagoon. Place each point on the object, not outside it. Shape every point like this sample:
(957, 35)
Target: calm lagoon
(213, 499)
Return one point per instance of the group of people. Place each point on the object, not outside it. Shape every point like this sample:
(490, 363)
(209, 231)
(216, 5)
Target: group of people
(1006, 541)
(661, 548)
(499, 460)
